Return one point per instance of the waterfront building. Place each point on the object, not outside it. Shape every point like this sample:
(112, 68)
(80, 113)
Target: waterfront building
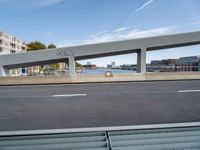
(128, 67)
(191, 63)
(89, 63)
(112, 65)
(166, 65)
(90, 66)
(190, 59)
(109, 66)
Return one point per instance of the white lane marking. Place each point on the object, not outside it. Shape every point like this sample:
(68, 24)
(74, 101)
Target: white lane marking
(69, 95)
(187, 91)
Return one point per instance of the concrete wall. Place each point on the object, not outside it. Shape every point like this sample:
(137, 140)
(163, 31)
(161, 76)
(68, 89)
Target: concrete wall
(172, 76)
(99, 78)
(34, 80)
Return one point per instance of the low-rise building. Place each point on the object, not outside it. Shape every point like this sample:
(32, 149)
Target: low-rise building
(10, 44)
(90, 66)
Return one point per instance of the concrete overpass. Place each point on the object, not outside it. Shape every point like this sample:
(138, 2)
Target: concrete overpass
(73, 53)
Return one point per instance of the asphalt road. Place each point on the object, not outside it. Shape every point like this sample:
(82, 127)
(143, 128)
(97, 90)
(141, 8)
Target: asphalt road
(98, 105)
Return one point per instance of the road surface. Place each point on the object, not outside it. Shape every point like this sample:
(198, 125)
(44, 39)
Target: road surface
(98, 105)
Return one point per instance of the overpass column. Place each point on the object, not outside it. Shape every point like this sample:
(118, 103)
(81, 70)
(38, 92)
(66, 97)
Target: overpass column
(72, 65)
(141, 60)
(4, 71)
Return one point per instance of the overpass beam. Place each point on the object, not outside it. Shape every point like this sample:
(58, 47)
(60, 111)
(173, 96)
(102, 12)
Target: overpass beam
(141, 60)
(4, 71)
(72, 66)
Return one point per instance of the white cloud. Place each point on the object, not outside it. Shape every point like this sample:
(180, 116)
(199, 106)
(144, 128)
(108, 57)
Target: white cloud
(147, 33)
(130, 33)
(121, 29)
(118, 34)
(69, 43)
(100, 33)
(193, 23)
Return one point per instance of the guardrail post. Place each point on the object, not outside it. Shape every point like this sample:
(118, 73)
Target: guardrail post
(141, 60)
(72, 65)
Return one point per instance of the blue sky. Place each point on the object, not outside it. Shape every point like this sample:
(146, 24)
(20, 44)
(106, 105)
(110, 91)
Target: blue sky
(74, 22)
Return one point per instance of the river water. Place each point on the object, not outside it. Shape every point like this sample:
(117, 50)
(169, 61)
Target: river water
(102, 71)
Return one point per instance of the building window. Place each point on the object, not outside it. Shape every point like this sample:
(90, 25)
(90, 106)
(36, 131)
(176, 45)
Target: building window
(12, 51)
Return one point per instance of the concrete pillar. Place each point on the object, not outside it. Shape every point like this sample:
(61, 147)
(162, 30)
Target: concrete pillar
(1, 71)
(4, 71)
(72, 66)
(141, 61)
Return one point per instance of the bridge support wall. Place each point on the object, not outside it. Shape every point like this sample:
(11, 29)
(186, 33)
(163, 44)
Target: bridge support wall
(141, 60)
(72, 66)
(4, 71)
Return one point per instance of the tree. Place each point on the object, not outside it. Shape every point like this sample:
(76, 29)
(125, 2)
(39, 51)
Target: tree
(51, 46)
(79, 65)
(36, 45)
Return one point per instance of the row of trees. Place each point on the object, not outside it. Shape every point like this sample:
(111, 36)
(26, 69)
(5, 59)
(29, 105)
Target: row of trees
(36, 45)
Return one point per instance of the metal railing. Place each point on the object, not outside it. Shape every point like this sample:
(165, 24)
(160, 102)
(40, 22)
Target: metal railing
(153, 137)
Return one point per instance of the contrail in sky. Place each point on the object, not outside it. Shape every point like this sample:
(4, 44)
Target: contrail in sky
(136, 10)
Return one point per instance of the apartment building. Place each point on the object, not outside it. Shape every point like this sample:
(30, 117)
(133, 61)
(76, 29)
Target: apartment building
(10, 44)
